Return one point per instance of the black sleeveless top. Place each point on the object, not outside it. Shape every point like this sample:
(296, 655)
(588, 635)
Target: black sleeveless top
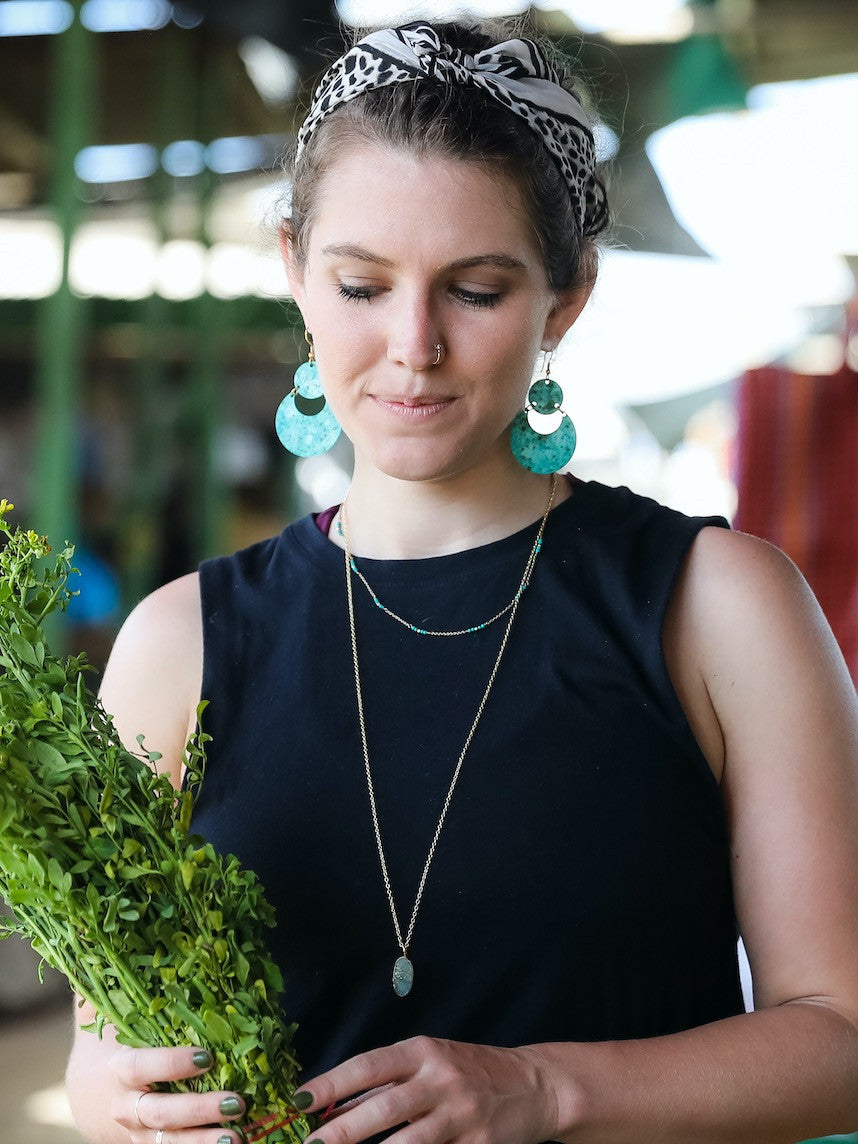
(581, 886)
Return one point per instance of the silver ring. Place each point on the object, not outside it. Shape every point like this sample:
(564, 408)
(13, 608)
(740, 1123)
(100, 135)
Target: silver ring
(439, 350)
(159, 1136)
(137, 1109)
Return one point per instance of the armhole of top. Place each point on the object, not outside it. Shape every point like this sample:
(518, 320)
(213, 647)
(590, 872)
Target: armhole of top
(204, 571)
(697, 525)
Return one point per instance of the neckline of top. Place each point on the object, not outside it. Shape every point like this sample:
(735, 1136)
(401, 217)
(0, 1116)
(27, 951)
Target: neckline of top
(311, 538)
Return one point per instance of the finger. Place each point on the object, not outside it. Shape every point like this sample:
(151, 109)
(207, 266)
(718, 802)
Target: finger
(140, 1068)
(358, 1074)
(187, 1136)
(380, 1111)
(152, 1111)
(338, 1110)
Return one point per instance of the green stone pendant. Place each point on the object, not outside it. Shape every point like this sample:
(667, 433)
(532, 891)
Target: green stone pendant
(403, 976)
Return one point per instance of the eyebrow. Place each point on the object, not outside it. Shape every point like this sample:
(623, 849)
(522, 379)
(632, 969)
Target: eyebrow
(350, 250)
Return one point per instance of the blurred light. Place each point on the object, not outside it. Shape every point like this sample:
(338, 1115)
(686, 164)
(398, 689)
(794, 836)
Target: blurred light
(230, 270)
(113, 260)
(185, 17)
(780, 178)
(825, 96)
(819, 354)
(607, 142)
(628, 20)
(247, 210)
(31, 258)
(241, 153)
(388, 12)
(658, 326)
(117, 163)
(49, 1106)
(125, 15)
(271, 277)
(271, 70)
(35, 17)
(241, 455)
(323, 480)
(184, 157)
(181, 269)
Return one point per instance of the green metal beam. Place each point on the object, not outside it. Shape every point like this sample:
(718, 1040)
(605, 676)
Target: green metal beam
(62, 317)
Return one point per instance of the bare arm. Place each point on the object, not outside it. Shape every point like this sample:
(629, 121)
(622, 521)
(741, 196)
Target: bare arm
(151, 686)
(769, 697)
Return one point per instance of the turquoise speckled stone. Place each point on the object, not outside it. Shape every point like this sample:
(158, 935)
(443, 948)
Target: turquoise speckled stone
(542, 452)
(545, 396)
(307, 380)
(302, 435)
(403, 976)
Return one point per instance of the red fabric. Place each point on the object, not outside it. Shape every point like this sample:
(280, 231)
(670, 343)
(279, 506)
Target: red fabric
(798, 482)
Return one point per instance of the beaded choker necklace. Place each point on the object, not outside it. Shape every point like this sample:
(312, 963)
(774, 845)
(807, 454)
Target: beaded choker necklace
(342, 529)
(403, 969)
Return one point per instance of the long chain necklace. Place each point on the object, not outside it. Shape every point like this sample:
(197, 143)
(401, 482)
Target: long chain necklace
(403, 970)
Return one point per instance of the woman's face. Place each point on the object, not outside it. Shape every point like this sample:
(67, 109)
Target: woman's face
(406, 253)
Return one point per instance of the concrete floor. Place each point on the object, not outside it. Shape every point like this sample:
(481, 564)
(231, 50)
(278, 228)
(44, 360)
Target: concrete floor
(33, 1051)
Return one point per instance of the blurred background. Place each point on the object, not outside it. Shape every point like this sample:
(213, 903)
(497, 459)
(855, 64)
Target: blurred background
(146, 337)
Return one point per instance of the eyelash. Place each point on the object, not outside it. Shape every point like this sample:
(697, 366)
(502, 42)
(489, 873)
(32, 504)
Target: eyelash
(470, 298)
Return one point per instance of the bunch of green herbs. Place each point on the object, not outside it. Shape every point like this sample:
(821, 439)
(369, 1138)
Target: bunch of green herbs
(161, 934)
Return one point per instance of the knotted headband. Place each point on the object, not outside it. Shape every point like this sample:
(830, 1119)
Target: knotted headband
(515, 73)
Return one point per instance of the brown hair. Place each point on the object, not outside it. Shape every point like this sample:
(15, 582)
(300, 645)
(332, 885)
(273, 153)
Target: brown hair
(453, 121)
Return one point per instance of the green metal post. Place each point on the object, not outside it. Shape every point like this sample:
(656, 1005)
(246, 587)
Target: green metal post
(154, 428)
(62, 317)
(206, 378)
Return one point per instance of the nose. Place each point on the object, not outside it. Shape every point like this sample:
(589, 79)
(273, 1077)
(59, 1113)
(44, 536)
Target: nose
(414, 337)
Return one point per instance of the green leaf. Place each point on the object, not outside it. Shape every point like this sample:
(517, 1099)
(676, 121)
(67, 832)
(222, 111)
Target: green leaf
(22, 649)
(217, 1028)
(242, 967)
(48, 757)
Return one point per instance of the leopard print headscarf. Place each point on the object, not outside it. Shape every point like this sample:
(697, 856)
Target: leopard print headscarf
(515, 73)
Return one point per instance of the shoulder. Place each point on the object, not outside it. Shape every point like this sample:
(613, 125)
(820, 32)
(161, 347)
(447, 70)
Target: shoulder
(746, 600)
(177, 602)
(748, 646)
(151, 685)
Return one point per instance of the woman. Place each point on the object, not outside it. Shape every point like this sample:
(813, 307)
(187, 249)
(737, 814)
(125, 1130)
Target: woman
(509, 863)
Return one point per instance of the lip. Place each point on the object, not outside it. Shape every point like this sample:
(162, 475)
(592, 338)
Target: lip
(411, 407)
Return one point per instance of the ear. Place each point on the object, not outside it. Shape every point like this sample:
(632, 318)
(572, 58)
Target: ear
(565, 312)
(292, 263)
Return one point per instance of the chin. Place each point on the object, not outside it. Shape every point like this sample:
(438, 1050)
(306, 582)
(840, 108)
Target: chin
(418, 464)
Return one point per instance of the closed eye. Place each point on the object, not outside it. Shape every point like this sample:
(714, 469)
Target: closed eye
(357, 293)
(478, 298)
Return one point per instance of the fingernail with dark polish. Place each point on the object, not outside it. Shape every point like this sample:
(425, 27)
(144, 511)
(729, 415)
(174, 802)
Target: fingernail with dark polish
(202, 1059)
(231, 1106)
(303, 1100)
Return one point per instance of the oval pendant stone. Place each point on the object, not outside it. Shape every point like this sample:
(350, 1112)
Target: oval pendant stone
(403, 976)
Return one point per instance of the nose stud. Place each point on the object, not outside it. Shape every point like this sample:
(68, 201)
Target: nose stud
(439, 353)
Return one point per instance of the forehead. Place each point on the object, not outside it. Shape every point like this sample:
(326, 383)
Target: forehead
(396, 203)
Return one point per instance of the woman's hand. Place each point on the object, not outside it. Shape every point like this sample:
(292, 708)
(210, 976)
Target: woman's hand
(441, 1092)
(169, 1118)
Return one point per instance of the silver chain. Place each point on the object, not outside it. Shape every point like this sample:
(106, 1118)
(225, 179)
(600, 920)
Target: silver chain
(404, 943)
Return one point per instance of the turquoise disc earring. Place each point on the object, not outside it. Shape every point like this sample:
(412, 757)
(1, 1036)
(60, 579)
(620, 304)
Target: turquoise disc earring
(304, 421)
(543, 452)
